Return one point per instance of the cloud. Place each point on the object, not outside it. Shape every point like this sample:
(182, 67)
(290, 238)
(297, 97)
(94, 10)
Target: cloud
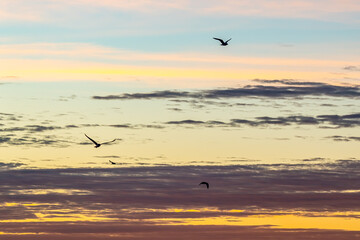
(233, 187)
(313, 159)
(26, 140)
(120, 126)
(111, 156)
(287, 89)
(343, 138)
(9, 117)
(35, 134)
(142, 199)
(153, 95)
(289, 82)
(93, 61)
(138, 231)
(352, 68)
(195, 122)
(323, 121)
(22, 10)
(10, 165)
(40, 128)
(175, 109)
(15, 212)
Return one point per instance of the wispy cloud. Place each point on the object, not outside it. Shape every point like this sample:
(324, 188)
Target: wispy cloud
(13, 10)
(343, 138)
(352, 68)
(11, 165)
(324, 121)
(34, 141)
(287, 89)
(84, 61)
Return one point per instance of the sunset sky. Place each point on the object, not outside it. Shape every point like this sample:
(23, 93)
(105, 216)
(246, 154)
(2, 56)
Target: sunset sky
(271, 121)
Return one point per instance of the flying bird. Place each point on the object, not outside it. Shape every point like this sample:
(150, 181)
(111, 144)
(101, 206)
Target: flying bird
(222, 41)
(207, 184)
(112, 162)
(98, 144)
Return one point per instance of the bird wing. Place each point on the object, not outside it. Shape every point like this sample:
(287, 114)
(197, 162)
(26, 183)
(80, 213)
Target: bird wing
(228, 40)
(207, 184)
(222, 41)
(110, 141)
(91, 139)
(111, 162)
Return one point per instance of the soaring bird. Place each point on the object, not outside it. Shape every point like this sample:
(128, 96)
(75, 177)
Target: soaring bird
(222, 41)
(99, 144)
(207, 184)
(112, 162)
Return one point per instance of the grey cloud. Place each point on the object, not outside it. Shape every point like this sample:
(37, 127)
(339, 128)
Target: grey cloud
(157, 94)
(343, 138)
(290, 82)
(119, 230)
(9, 117)
(204, 103)
(4, 139)
(120, 126)
(335, 121)
(13, 129)
(135, 126)
(352, 68)
(40, 128)
(39, 141)
(71, 126)
(11, 165)
(313, 159)
(34, 128)
(185, 122)
(15, 212)
(175, 109)
(287, 89)
(133, 198)
(248, 187)
(27, 135)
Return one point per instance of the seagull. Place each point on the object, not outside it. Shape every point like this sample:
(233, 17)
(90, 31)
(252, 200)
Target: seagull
(112, 162)
(98, 144)
(222, 41)
(207, 184)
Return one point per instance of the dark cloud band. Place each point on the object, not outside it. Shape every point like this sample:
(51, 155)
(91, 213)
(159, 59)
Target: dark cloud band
(333, 121)
(285, 89)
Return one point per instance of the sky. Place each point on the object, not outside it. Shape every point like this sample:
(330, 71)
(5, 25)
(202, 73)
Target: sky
(270, 121)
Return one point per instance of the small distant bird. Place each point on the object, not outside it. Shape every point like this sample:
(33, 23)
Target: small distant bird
(98, 144)
(222, 41)
(112, 162)
(207, 184)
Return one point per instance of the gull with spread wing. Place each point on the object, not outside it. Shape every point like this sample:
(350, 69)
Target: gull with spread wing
(223, 43)
(99, 144)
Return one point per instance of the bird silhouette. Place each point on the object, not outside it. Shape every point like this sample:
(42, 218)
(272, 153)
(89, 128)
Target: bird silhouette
(99, 144)
(222, 41)
(207, 184)
(112, 162)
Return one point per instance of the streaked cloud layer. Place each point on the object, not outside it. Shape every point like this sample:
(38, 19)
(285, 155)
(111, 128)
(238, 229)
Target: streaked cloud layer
(168, 198)
(291, 89)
